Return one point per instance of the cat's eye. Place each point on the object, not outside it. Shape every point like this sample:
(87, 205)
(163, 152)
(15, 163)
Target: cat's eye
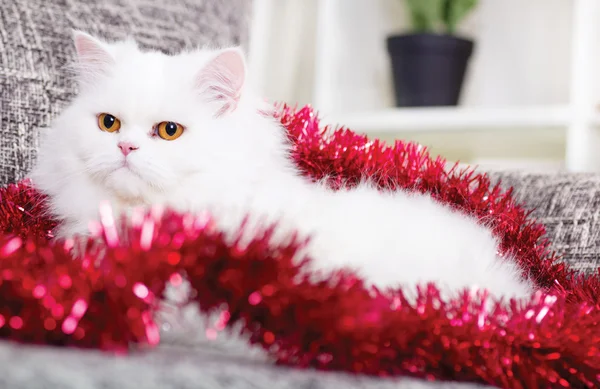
(169, 130)
(108, 122)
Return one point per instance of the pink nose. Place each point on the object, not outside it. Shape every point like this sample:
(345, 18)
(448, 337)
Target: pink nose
(127, 147)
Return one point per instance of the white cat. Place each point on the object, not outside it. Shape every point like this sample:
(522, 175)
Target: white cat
(185, 131)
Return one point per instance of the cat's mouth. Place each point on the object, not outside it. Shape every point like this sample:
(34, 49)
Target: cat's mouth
(129, 167)
(122, 169)
(126, 182)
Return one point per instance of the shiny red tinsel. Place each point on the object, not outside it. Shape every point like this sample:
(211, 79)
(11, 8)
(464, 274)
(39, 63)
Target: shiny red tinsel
(339, 324)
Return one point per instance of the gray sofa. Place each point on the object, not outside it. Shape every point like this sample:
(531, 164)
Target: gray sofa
(34, 47)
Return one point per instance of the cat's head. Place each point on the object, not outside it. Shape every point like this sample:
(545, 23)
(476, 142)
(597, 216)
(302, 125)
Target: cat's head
(145, 121)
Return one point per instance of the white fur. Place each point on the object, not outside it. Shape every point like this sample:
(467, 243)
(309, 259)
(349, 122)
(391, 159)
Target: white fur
(235, 161)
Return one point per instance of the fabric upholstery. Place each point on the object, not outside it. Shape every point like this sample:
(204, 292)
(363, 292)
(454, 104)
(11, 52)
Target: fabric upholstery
(568, 205)
(31, 367)
(35, 46)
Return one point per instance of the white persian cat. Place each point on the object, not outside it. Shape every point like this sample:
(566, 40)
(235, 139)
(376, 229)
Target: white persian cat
(185, 131)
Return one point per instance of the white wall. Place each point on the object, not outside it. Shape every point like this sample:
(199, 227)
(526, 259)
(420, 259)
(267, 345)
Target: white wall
(523, 52)
(286, 73)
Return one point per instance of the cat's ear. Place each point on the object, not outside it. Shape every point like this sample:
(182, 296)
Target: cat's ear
(93, 55)
(221, 80)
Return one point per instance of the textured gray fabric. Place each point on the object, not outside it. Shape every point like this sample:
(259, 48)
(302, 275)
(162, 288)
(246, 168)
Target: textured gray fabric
(35, 46)
(26, 367)
(569, 206)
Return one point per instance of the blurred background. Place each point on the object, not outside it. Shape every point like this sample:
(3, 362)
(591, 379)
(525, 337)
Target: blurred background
(502, 84)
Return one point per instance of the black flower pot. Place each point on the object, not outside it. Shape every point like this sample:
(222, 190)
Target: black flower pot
(428, 69)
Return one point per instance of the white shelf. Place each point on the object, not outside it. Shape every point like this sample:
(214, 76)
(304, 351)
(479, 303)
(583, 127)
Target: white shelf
(515, 164)
(437, 119)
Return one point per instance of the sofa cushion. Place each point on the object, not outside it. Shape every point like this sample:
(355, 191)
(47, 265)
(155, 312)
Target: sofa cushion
(177, 367)
(35, 46)
(568, 204)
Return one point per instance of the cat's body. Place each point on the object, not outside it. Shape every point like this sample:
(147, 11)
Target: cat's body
(232, 160)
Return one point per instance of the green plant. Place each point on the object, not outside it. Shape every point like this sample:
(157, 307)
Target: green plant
(438, 15)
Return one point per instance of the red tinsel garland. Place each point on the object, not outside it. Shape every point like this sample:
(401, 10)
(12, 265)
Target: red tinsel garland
(339, 324)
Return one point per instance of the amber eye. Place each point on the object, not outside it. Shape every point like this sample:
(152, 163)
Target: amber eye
(169, 130)
(108, 122)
